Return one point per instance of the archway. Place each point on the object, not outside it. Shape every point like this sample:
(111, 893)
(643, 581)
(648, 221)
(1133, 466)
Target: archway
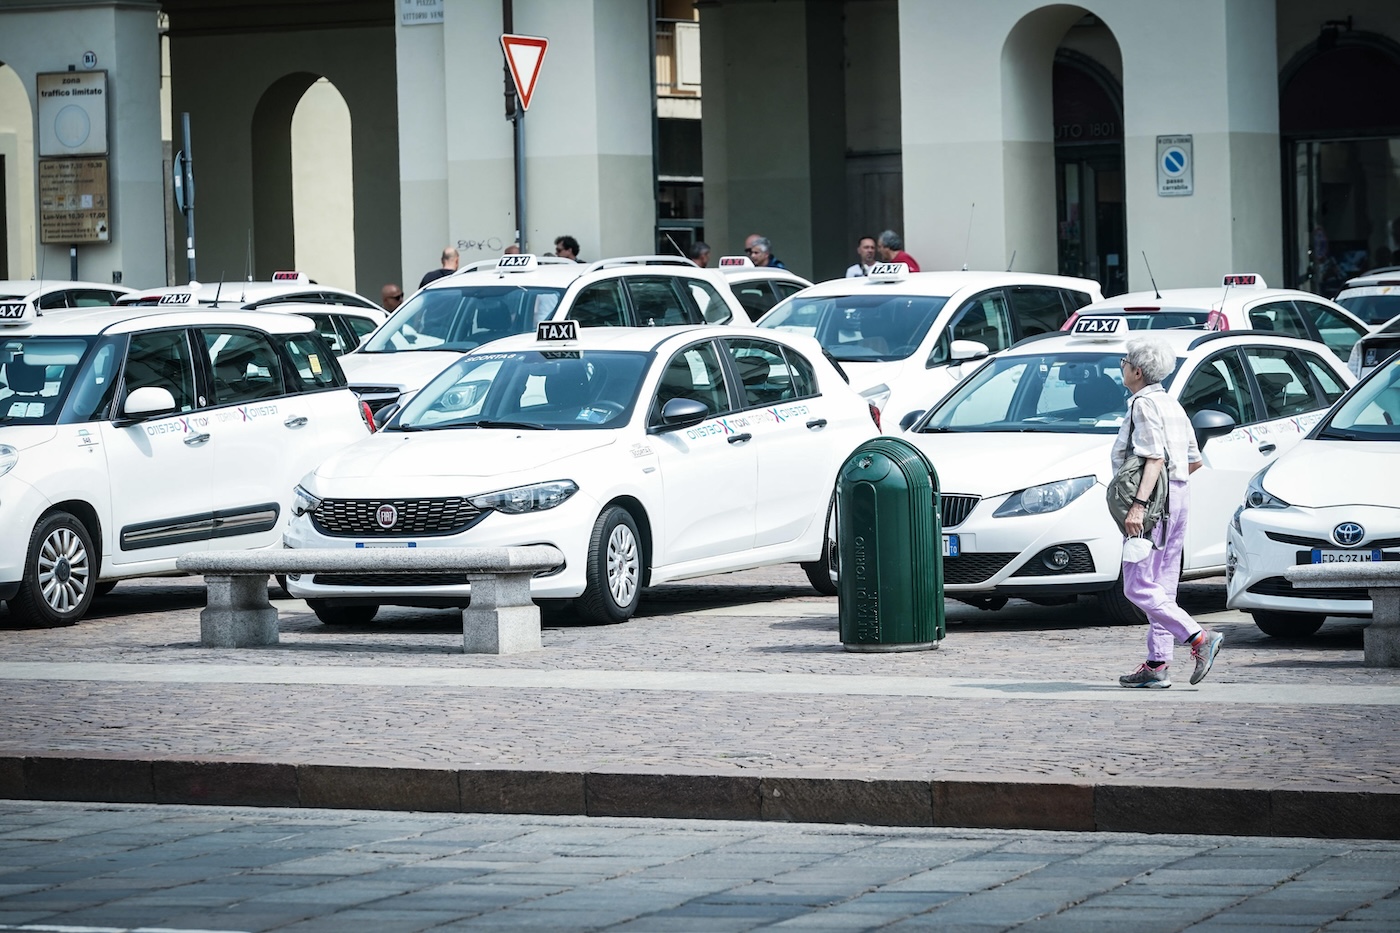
(323, 197)
(274, 223)
(1341, 143)
(17, 221)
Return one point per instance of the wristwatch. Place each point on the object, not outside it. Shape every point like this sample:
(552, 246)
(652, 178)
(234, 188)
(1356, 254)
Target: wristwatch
(1141, 502)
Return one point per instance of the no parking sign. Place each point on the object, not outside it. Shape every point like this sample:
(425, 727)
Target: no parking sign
(1174, 169)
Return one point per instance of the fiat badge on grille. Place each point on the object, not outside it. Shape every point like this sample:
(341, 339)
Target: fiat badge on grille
(386, 515)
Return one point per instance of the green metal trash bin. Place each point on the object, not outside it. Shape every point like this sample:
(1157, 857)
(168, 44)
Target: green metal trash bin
(890, 549)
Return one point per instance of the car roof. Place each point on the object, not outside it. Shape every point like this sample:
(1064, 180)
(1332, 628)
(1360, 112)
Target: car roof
(1389, 275)
(551, 272)
(23, 288)
(943, 284)
(1199, 299)
(87, 321)
(1181, 342)
(644, 339)
(238, 292)
(315, 307)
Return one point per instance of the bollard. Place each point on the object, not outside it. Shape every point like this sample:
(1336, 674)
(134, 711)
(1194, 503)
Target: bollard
(889, 542)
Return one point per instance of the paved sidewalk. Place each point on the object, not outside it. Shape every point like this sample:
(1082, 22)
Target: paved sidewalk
(730, 698)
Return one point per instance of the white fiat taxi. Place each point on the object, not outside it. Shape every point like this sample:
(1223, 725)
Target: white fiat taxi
(1022, 449)
(758, 288)
(1331, 499)
(906, 339)
(130, 436)
(646, 455)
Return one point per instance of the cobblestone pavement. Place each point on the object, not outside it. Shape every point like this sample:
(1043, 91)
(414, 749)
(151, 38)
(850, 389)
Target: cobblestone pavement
(1024, 693)
(66, 868)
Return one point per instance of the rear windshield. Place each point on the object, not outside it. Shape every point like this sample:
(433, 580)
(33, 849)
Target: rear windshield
(463, 317)
(1166, 319)
(1373, 309)
(860, 328)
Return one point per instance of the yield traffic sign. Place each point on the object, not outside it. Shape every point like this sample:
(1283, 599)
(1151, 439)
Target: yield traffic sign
(524, 55)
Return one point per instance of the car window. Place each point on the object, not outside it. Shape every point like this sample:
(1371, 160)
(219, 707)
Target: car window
(92, 297)
(1055, 392)
(244, 364)
(163, 359)
(763, 370)
(658, 301)
(860, 328)
(325, 325)
(984, 319)
(708, 300)
(1219, 384)
(804, 375)
(693, 373)
(36, 373)
(58, 299)
(1280, 317)
(785, 289)
(756, 298)
(1037, 310)
(1373, 411)
(1338, 333)
(1373, 309)
(599, 305)
(1283, 381)
(312, 363)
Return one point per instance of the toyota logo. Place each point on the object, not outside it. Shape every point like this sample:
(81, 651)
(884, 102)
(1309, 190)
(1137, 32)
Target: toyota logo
(1348, 534)
(386, 516)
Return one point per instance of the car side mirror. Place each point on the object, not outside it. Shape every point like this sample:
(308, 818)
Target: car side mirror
(147, 402)
(1210, 423)
(908, 420)
(682, 413)
(968, 350)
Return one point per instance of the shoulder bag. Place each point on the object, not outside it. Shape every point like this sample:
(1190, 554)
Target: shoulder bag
(1123, 489)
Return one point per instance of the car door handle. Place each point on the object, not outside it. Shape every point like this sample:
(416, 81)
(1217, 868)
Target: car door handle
(194, 440)
(816, 423)
(739, 438)
(1267, 448)
(296, 421)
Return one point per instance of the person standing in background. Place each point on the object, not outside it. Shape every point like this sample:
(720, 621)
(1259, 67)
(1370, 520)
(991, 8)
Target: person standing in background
(865, 258)
(566, 247)
(760, 251)
(699, 253)
(390, 297)
(891, 247)
(449, 266)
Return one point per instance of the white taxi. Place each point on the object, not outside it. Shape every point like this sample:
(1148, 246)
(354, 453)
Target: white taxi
(646, 455)
(758, 288)
(1243, 301)
(51, 295)
(1022, 449)
(130, 436)
(906, 339)
(497, 298)
(1331, 499)
(1374, 298)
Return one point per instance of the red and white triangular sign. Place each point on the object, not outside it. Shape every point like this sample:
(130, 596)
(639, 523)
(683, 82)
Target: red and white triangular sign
(524, 55)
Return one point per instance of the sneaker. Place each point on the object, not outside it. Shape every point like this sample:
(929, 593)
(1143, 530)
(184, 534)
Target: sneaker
(1205, 653)
(1146, 676)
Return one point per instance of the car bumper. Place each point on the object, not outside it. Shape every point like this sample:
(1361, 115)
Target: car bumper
(1269, 541)
(567, 527)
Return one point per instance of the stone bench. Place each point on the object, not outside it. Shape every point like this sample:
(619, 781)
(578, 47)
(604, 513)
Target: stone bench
(1382, 636)
(502, 618)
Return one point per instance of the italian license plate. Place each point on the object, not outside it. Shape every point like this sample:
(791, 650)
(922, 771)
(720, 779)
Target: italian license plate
(1323, 556)
(385, 544)
(951, 548)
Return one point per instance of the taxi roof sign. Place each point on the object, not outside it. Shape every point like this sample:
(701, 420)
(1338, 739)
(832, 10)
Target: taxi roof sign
(177, 298)
(15, 312)
(734, 263)
(1100, 326)
(1243, 280)
(289, 276)
(517, 262)
(889, 271)
(556, 330)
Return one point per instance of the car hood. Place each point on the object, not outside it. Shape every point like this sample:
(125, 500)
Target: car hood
(992, 464)
(409, 370)
(25, 436)
(868, 375)
(1319, 473)
(400, 457)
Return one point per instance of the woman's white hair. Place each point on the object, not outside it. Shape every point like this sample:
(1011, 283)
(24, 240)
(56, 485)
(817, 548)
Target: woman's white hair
(1153, 356)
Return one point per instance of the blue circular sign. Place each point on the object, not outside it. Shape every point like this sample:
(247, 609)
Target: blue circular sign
(1174, 161)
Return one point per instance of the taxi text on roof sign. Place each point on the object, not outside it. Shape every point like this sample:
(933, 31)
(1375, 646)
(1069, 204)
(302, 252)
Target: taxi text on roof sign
(889, 270)
(176, 298)
(735, 262)
(1243, 280)
(556, 330)
(12, 311)
(288, 277)
(1100, 326)
(517, 262)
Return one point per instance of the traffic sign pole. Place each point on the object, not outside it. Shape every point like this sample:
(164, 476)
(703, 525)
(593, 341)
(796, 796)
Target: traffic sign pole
(524, 55)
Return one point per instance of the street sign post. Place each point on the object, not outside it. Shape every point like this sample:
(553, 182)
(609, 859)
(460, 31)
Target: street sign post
(524, 55)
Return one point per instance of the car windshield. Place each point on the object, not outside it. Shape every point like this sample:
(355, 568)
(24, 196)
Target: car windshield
(463, 317)
(1373, 309)
(540, 389)
(1165, 319)
(1064, 393)
(1372, 414)
(862, 328)
(36, 376)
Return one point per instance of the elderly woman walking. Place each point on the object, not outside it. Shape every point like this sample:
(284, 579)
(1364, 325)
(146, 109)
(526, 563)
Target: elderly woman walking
(1162, 435)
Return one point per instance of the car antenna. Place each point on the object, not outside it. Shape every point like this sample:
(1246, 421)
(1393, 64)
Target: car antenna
(967, 247)
(679, 252)
(219, 288)
(43, 254)
(1012, 262)
(1155, 290)
(248, 260)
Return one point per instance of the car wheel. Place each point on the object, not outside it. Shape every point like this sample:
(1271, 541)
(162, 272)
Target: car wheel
(614, 569)
(1287, 624)
(822, 573)
(59, 577)
(1117, 608)
(106, 587)
(332, 613)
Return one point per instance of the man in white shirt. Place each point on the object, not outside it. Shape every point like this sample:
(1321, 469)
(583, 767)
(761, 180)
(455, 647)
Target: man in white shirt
(865, 253)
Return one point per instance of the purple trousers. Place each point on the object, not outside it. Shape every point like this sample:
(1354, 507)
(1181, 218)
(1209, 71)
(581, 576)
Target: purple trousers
(1150, 584)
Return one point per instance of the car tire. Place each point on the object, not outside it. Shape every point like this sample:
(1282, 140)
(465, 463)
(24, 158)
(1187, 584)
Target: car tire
(333, 613)
(1117, 608)
(822, 573)
(60, 578)
(614, 569)
(1287, 624)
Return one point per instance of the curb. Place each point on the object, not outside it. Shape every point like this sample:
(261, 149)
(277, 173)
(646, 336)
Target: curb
(886, 801)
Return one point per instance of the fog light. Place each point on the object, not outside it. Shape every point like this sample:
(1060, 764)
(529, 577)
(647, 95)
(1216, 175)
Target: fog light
(293, 576)
(1056, 559)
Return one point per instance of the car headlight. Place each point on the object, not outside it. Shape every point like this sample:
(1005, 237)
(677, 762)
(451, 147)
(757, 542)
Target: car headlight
(1257, 497)
(1047, 497)
(9, 456)
(533, 498)
(303, 501)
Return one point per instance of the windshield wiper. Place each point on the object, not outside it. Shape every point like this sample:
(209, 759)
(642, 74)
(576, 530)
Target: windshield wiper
(1337, 434)
(404, 427)
(529, 426)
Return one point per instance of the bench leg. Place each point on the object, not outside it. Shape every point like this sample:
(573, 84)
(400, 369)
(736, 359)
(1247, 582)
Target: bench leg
(502, 618)
(237, 613)
(1382, 637)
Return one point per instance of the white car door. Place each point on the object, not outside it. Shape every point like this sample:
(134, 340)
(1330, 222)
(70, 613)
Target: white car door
(709, 471)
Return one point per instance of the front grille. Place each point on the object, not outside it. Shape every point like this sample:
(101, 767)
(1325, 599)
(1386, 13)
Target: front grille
(973, 568)
(1281, 586)
(417, 517)
(1080, 561)
(956, 509)
(384, 580)
(1324, 543)
(376, 397)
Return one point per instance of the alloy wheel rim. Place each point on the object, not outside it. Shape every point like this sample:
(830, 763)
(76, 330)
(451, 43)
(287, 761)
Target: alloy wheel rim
(63, 570)
(623, 565)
